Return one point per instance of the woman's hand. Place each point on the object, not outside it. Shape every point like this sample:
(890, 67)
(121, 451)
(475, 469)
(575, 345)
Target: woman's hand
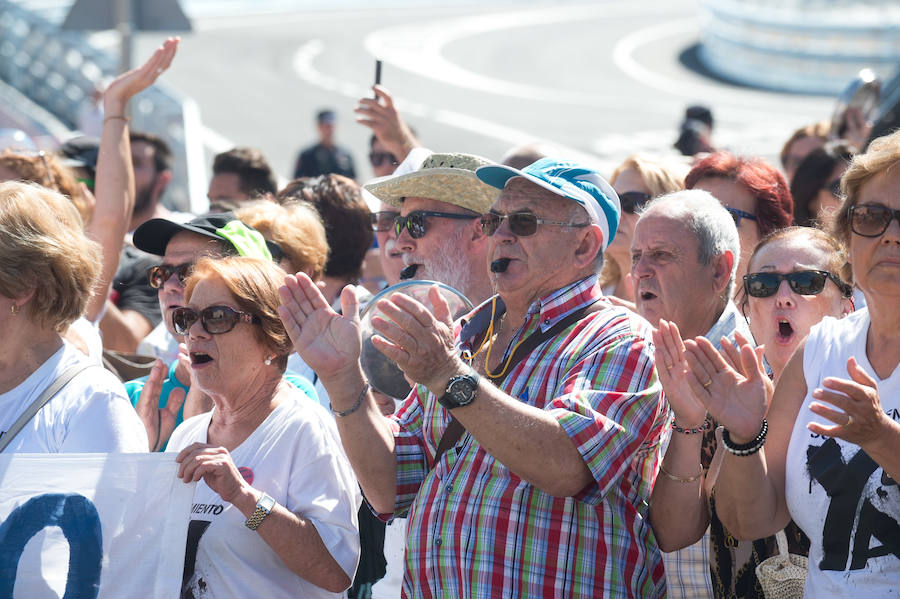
(129, 84)
(215, 466)
(327, 341)
(158, 422)
(861, 419)
(673, 371)
(733, 385)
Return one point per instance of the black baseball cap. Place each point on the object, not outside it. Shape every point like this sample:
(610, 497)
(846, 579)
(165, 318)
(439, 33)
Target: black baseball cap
(154, 235)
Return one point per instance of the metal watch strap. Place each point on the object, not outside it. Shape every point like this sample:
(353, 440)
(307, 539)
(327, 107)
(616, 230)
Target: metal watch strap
(259, 514)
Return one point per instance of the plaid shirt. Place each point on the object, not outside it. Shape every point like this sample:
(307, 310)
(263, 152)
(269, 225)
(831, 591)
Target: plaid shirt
(476, 529)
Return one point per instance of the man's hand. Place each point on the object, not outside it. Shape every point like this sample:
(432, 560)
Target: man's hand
(421, 343)
(327, 341)
(381, 116)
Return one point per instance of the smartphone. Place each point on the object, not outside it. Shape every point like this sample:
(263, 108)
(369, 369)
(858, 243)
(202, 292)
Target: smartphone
(377, 74)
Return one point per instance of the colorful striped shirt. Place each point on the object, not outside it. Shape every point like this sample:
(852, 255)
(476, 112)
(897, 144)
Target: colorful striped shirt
(476, 529)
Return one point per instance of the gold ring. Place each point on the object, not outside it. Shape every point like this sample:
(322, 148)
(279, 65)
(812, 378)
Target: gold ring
(668, 367)
(707, 383)
(849, 420)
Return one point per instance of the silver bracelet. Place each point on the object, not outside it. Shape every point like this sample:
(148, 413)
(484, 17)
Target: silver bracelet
(359, 400)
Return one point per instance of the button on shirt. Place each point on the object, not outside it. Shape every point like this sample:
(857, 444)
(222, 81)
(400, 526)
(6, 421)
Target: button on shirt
(476, 529)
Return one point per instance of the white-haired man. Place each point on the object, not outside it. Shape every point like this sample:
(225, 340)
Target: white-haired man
(684, 255)
(552, 394)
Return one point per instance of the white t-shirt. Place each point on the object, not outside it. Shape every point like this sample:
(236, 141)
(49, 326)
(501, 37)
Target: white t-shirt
(844, 502)
(159, 343)
(91, 413)
(295, 456)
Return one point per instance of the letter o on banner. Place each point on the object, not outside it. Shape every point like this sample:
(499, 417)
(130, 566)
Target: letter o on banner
(80, 523)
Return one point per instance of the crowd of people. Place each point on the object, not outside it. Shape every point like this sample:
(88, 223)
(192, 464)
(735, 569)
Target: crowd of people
(664, 373)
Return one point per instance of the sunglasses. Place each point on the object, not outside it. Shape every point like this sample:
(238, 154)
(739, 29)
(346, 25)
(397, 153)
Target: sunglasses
(414, 222)
(158, 275)
(872, 220)
(737, 215)
(379, 158)
(383, 221)
(215, 319)
(521, 224)
(632, 201)
(802, 282)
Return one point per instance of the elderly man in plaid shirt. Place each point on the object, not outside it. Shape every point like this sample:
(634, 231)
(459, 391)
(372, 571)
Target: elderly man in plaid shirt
(526, 453)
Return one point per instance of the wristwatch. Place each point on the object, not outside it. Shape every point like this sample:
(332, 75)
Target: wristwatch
(460, 391)
(263, 507)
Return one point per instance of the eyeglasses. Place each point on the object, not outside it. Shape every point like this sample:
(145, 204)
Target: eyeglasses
(158, 275)
(802, 282)
(379, 158)
(383, 221)
(521, 224)
(737, 215)
(871, 220)
(215, 319)
(414, 222)
(43, 156)
(632, 201)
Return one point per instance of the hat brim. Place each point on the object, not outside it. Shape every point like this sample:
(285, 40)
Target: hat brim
(497, 175)
(455, 186)
(154, 235)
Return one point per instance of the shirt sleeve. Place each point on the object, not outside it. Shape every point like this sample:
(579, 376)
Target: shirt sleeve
(611, 406)
(105, 422)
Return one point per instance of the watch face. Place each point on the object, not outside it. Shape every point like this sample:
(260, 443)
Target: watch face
(460, 391)
(266, 502)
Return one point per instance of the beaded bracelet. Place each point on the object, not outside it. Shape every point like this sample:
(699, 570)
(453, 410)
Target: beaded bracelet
(359, 400)
(745, 449)
(692, 431)
(680, 479)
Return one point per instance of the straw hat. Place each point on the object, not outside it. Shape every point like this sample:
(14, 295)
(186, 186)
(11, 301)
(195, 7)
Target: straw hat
(443, 177)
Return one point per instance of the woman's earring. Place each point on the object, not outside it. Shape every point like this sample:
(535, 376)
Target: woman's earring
(14, 308)
(269, 361)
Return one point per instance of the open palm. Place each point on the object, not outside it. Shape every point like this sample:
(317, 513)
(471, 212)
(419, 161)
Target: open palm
(674, 374)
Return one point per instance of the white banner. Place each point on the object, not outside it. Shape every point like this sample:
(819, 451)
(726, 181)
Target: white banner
(92, 525)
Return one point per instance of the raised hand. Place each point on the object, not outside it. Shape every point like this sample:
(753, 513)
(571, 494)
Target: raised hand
(129, 84)
(381, 116)
(158, 422)
(673, 372)
(419, 341)
(735, 390)
(327, 341)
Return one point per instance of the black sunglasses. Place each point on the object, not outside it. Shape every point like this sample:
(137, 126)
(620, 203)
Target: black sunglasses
(158, 275)
(414, 222)
(737, 215)
(215, 319)
(632, 201)
(872, 220)
(521, 224)
(803, 282)
(383, 221)
(379, 158)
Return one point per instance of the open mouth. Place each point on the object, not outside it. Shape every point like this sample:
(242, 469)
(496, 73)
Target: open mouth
(647, 295)
(785, 330)
(198, 358)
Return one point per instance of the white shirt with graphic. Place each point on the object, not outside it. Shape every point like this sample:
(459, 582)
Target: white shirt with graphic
(295, 456)
(91, 414)
(845, 503)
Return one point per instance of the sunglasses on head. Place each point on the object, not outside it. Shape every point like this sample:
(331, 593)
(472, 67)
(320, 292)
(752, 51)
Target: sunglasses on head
(872, 220)
(158, 275)
(383, 221)
(632, 201)
(802, 282)
(379, 158)
(737, 215)
(521, 224)
(214, 319)
(414, 222)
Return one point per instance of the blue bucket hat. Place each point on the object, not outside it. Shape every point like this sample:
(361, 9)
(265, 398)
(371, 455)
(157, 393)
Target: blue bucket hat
(568, 180)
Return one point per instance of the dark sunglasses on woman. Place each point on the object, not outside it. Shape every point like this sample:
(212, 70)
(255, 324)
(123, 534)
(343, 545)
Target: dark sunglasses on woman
(214, 319)
(521, 224)
(415, 221)
(872, 220)
(383, 221)
(632, 201)
(158, 275)
(802, 282)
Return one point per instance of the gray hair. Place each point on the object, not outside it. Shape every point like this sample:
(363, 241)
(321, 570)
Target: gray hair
(707, 219)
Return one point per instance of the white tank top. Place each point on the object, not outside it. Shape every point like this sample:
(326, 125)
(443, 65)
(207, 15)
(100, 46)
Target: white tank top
(844, 502)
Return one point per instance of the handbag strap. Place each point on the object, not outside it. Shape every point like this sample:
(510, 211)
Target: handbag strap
(455, 429)
(54, 388)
